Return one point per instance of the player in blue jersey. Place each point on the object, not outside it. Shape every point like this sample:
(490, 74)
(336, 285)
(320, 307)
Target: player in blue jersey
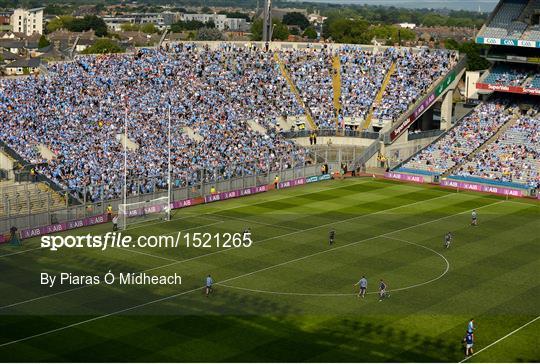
(362, 284)
(382, 290)
(209, 284)
(470, 327)
(469, 342)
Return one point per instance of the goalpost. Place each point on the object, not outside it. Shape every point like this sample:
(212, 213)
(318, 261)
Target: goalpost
(137, 212)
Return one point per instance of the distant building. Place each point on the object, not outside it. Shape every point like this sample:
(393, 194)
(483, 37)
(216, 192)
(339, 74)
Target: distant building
(316, 18)
(160, 20)
(220, 20)
(5, 22)
(27, 21)
(407, 25)
(14, 46)
(7, 57)
(279, 13)
(24, 66)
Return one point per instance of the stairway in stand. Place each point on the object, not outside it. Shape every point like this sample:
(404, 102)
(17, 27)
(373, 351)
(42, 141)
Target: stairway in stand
(292, 85)
(378, 98)
(493, 138)
(336, 85)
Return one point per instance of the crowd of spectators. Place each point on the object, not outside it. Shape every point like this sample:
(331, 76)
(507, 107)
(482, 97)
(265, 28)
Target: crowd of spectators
(513, 157)
(362, 75)
(79, 110)
(311, 71)
(508, 76)
(415, 73)
(473, 131)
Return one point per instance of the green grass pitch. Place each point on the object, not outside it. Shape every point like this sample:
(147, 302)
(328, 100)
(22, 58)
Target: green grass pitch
(290, 296)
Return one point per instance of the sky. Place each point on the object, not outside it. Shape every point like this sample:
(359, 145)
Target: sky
(483, 5)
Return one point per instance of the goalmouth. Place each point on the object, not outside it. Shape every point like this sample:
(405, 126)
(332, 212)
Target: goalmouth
(137, 212)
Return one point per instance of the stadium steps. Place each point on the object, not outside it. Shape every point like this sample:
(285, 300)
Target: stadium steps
(255, 126)
(528, 11)
(529, 80)
(129, 144)
(192, 134)
(378, 98)
(336, 84)
(56, 198)
(165, 33)
(488, 142)
(292, 85)
(26, 198)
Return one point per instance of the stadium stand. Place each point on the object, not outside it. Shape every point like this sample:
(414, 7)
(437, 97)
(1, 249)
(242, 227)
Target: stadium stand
(532, 33)
(463, 139)
(219, 94)
(26, 197)
(513, 157)
(535, 82)
(505, 23)
(78, 111)
(311, 72)
(415, 73)
(362, 74)
(504, 74)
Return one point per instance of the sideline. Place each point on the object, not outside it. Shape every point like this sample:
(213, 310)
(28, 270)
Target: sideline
(166, 298)
(501, 339)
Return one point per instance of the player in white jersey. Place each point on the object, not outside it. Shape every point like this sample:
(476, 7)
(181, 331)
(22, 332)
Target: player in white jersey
(448, 239)
(474, 218)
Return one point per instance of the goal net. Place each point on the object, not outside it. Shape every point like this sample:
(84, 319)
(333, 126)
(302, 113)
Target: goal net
(135, 213)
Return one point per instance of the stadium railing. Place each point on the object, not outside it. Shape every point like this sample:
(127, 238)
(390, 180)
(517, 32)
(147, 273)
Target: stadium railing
(88, 209)
(425, 134)
(330, 132)
(370, 151)
(490, 182)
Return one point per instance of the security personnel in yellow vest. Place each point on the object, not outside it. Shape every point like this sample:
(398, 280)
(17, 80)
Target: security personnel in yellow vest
(109, 212)
(276, 182)
(213, 190)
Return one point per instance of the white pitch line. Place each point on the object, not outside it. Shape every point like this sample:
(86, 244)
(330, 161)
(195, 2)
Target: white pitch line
(192, 290)
(224, 250)
(353, 294)
(501, 339)
(20, 252)
(173, 233)
(256, 222)
(211, 213)
(199, 288)
(375, 237)
(192, 214)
